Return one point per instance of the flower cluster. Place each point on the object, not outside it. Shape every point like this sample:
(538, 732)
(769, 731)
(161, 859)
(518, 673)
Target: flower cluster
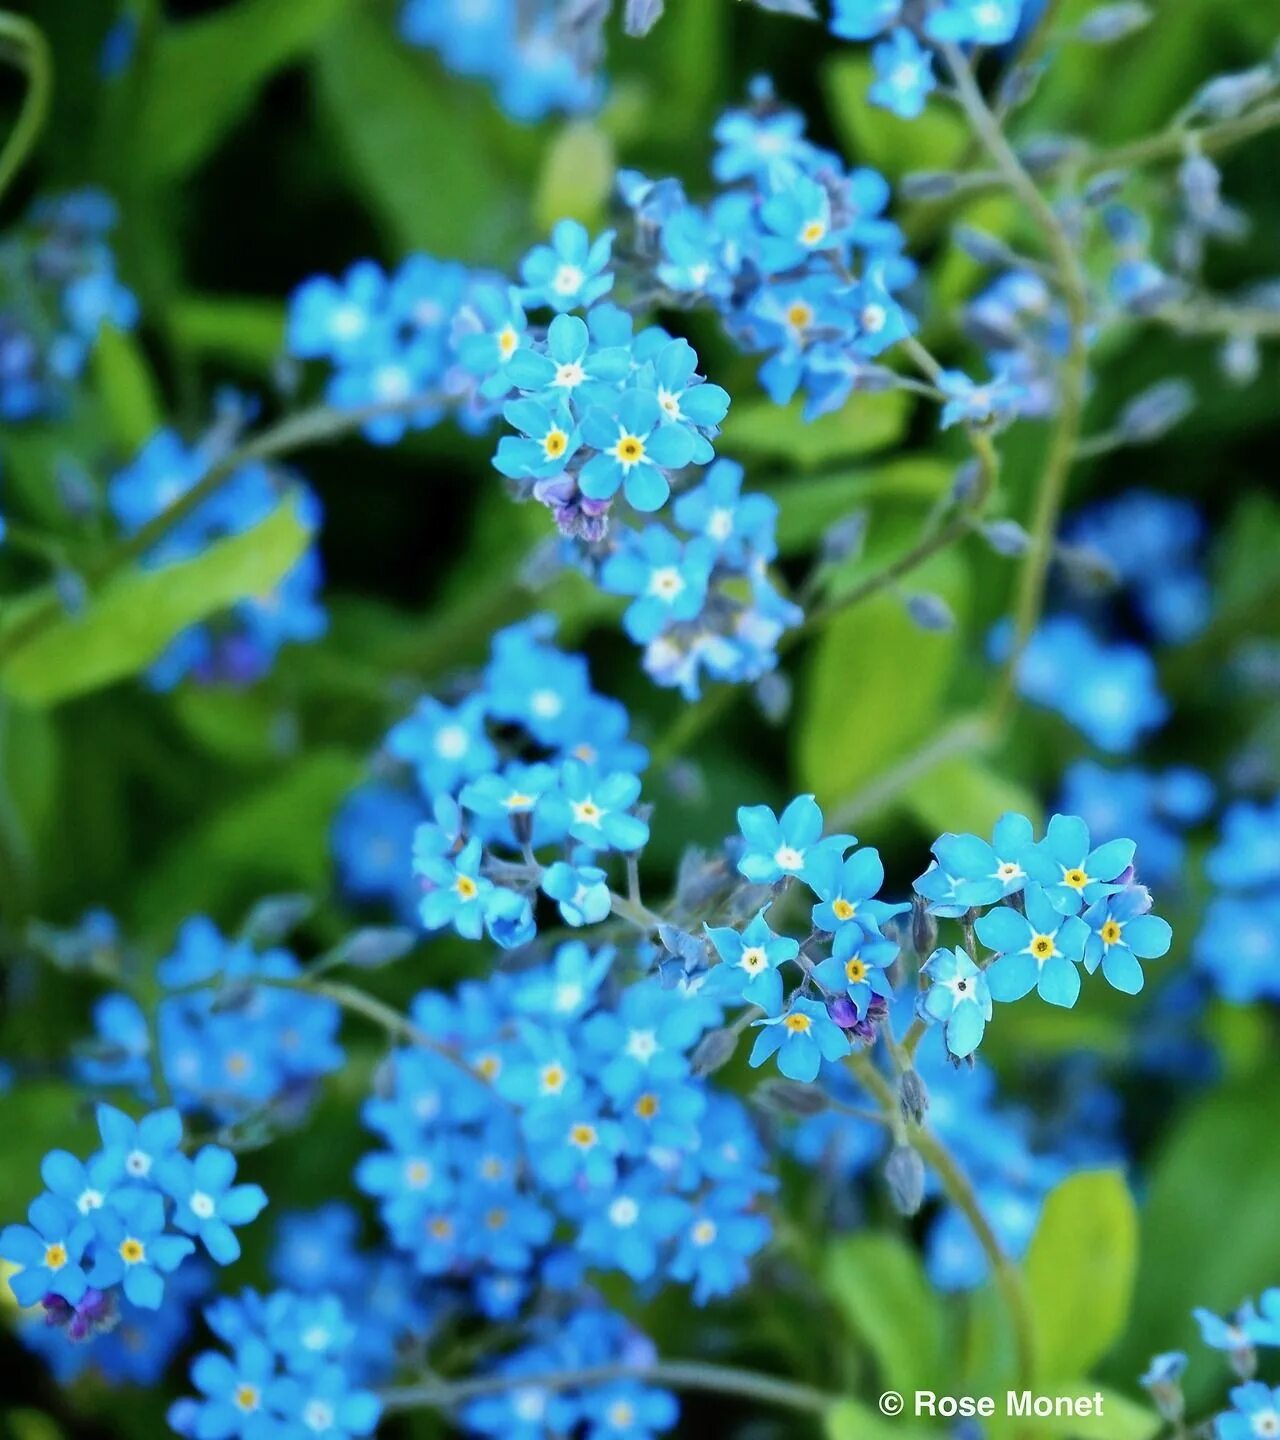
(586, 1338)
(556, 1097)
(285, 1374)
(1255, 1405)
(531, 759)
(122, 1222)
(908, 36)
(233, 1036)
(241, 644)
(526, 52)
(1238, 946)
(1047, 907)
(58, 288)
(795, 253)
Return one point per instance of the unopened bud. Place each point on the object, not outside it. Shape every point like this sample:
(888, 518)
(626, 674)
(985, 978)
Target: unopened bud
(274, 918)
(641, 16)
(790, 1097)
(1110, 23)
(927, 185)
(924, 927)
(374, 946)
(844, 539)
(913, 1096)
(904, 1174)
(713, 1051)
(1007, 537)
(930, 612)
(1156, 411)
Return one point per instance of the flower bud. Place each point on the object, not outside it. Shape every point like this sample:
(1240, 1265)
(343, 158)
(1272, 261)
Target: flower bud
(904, 1174)
(930, 612)
(1109, 23)
(790, 1097)
(714, 1050)
(924, 927)
(913, 1096)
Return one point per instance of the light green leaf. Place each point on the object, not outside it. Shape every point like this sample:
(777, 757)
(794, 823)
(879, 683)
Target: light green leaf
(875, 685)
(1114, 1417)
(576, 177)
(129, 622)
(809, 505)
(204, 74)
(241, 332)
(967, 795)
(866, 423)
(415, 143)
(1080, 1271)
(878, 1284)
(130, 400)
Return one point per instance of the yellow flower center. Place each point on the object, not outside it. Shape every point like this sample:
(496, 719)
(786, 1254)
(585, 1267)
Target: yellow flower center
(812, 232)
(843, 910)
(132, 1251)
(417, 1173)
(553, 1078)
(554, 444)
(855, 970)
(647, 1106)
(440, 1228)
(488, 1066)
(466, 887)
(799, 315)
(629, 449)
(583, 1136)
(507, 342)
(621, 1415)
(495, 1219)
(1077, 879)
(1042, 946)
(237, 1063)
(587, 810)
(246, 1397)
(55, 1256)
(1111, 932)
(798, 1024)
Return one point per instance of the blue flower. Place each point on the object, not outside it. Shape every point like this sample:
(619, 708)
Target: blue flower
(1264, 1328)
(1247, 854)
(997, 400)
(799, 215)
(627, 1228)
(491, 333)
(904, 74)
(751, 958)
(49, 1251)
(1231, 1336)
(644, 1041)
(957, 998)
(628, 1410)
(1072, 874)
(84, 1186)
(668, 579)
(846, 887)
(978, 22)
(1238, 947)
(738, 525)
(344, 321)
(570, 364)
(206, 1203)
(722, 1234)
(595, 807)
(581, 892)
(1122, 933)
(1036, 950)
(132, 1249)
(236, 1391)
(508, 918)
(446, 746)
(550, 439)
(635, 448)
(1256, 1413)
(570, 273)
(138, 1145)
(325, 1405)
(802, 1039)
(686, 399)
(783, 845)
(457, 892)
(981, 873)
(856, 965)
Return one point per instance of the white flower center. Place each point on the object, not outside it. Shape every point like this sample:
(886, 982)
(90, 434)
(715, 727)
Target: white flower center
(789, 858)
(624, 1212)
(89, 1200)
(666, 583)
(138, 1162)
(318, 1415)
(568, 280)
(202, 1206)
(452, 742)
(642, 1045)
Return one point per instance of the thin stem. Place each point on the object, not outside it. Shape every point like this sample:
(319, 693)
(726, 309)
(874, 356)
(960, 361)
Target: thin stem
(678, 1374)
(1071, 385)
(24, 44)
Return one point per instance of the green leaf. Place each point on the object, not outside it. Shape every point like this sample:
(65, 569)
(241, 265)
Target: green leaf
(1080, 1271)
(130, 400)
(934, 140)
(275, 837)
(866, 423)
(1117, 1417)
(967, 795)
(129, 622)
(1209, 1235)
(876, 684)
(809, 505)
(203, 75)
(414, 143)
(879, 1285)
(576, 178)
(241, 332)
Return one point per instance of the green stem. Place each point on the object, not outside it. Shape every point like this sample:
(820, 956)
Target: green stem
(678, 1374)
(959, 1190)
(24, 44)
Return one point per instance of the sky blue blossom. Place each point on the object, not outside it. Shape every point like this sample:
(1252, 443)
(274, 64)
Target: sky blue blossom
(958, 998)
(1072, 874)
(569, 363)
(1226, 1335)
(549, 441)
(644, 1041)
(863, 19)
(628, 1410)
(669, 579)
(980, 873)
(137, 1145)
(132, 1249)
(978, 22)
(750, 960)
(581, 892)
(1122, 932)
(801, 1039)
(1256, 1413)
(978, 404)
(457, 892)
(778, 846)
(1248, 851)
(1036, 950)
(1238, 946)
(722, 1234)
(737, 525)
(50, 1251)
(636, 448)
(571, 272)
(1264, 1327)
(626, 1229)
(686, 399)
(596, 807)
(206, 1202)
(857, 963)
(847, 887)
(904, 74)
